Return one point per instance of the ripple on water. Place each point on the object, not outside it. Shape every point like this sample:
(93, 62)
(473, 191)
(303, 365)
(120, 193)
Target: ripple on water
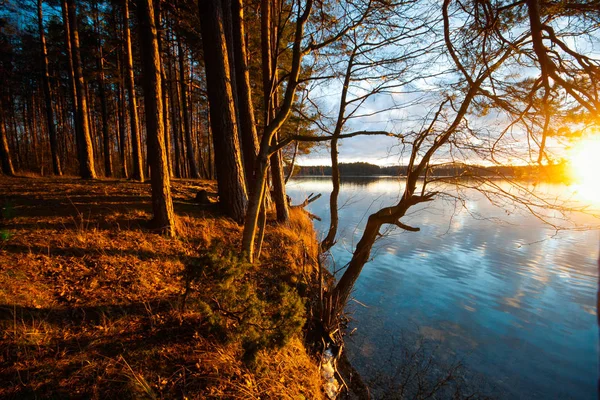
(518, 306)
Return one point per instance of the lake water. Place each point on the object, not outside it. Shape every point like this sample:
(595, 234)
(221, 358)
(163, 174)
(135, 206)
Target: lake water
(501, 292)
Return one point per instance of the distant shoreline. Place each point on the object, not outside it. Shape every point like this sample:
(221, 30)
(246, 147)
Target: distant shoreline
(554, 172)
(404, 176)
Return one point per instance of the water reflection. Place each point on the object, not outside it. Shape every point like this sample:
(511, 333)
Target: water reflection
(510, 295)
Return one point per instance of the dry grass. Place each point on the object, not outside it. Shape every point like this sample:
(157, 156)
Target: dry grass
(90, 297)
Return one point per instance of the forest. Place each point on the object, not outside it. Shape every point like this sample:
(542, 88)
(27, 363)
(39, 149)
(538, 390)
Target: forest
(554, 172)
(213, 102)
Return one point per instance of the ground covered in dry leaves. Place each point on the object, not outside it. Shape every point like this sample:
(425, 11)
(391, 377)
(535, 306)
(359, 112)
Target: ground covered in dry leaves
(92, 301)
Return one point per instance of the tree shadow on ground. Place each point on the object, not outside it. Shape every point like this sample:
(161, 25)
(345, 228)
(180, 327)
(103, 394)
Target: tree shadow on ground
(100, 344)
(99, 204)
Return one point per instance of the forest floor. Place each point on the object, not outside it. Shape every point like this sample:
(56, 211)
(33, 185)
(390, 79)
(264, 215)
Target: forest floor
(94, 304)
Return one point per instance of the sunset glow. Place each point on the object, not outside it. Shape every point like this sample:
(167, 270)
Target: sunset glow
(584, 163)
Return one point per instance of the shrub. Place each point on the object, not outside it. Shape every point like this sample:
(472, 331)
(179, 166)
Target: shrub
(226, 291)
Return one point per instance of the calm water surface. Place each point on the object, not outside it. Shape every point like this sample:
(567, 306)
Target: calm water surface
(514, 303)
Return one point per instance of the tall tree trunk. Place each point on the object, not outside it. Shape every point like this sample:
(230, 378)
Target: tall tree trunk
(121, 107)
(86, 152)
(260, 175)
(269, 74)
(244, 96)
(230, 173)
(29, 148)
(329, 240)
(123, 139)
(163, 75)
(175, 124)
(138, 164)
(62, 124)
(56, 168)
(162, 204)
(209, 146)
(108, 172)
(17, 144)
(7, 166)
(185, 112)
(183, 160)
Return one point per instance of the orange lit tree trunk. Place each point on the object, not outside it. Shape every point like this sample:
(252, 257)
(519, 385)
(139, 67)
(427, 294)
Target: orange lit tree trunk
(163, 75)
(257, 193)
(86, 152)
(185, 112)
(162, 204)
(269, 72)
(108, 172)
(136, 146)
(228, 160)
(244, 95)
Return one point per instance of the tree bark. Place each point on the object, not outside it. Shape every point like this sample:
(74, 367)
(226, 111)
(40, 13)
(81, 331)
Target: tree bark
(278, 179)
(56, 167)
(329, 240)
(175, 124)
(256, 196)
(123, 139)
(230, 174)
(138, 163)
(163, 75)
(185, 113)
(248, 135)
(162, 204)
(108, 172)
(86, 151)
(72, 86)
(7, 166)
(269, 74)
(293, 162)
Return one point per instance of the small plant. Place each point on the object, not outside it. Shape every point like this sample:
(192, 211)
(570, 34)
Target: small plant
(236, 308)
(5, 235)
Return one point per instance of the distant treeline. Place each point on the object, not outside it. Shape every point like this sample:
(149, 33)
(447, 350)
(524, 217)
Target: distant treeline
(554, 172)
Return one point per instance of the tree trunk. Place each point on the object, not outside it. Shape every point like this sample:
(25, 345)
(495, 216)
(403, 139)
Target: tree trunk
(138, 164)
(269, 74)
(7, 166)
(185, 113)
(73, 86)
(244, 96)
(260, 175)
(162, 204)
(121, 107)
(337, 299)
(230, 173)
(108, 172)
(123, 140)
(165, 97)
(175, 124)
(56, 168)
(293, 162)
(86, 152)
(278, 179)
(181, 137)
(329, 240)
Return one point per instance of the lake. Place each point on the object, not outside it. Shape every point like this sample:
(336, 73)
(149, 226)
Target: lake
(499, 291)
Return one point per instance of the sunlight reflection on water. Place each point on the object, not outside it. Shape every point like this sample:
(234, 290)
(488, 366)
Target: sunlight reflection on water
(512, 297)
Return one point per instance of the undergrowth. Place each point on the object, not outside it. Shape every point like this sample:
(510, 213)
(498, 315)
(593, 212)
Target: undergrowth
(91, 300)
(237, 307)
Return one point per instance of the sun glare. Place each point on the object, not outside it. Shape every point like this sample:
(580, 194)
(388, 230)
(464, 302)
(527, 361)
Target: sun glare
(584, 160)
